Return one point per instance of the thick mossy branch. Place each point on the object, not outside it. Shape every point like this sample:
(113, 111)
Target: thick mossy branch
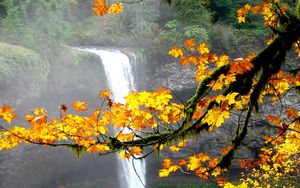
(202, 91)
(268, 61)
(276, 51)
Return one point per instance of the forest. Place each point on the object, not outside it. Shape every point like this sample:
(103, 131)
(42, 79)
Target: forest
(153, 93)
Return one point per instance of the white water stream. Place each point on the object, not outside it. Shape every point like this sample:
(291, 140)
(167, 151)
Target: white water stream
(118, 71)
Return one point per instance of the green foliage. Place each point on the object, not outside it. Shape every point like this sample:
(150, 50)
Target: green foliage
(16, 58)
(225, 10)
(32, 23)
(13, 29)
(171, 25)
(298, 9)
(22, 68)
(222, 10)
(45, 25)
(2, 9)
(192, 12)
(196, 32)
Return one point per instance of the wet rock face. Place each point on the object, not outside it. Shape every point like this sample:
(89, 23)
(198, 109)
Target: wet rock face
(174, 76)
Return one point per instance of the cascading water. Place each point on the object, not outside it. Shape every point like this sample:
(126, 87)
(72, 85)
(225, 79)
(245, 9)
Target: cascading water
(118, 70)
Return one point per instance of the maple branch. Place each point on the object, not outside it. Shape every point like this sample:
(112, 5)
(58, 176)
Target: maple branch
(35, 142)
(269, 60)
(202, 91)
(137, 174)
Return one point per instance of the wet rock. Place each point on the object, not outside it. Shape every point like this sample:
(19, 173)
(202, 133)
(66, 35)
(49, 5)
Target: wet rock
(174, 76)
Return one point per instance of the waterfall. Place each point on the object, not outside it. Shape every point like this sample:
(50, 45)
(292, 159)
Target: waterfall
(118, 71)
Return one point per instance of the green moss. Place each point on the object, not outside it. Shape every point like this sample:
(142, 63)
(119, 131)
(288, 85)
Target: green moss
(22, 71)
(80, 57)
(298, 9)
(16, 58)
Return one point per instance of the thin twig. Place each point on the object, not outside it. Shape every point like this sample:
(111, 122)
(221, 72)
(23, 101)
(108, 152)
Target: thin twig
(137, 174)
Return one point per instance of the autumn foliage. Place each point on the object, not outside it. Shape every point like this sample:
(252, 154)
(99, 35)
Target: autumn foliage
(149, 121)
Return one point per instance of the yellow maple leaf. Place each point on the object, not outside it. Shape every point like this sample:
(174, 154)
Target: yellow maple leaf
(116, 8)
(231, 97)
(281, 86)
(125, 137)
(163, 173)
(203, 49)
(216, 172)
(176, 52)
(241, 19)
(222, 60)
(182, 143)
(101, 129)
(174, 148)
(6, 112)
(105, 93)
(247, 6)
(173, 168)
(40, 111)
(215, 117)
(124, 155)
(159, 146)
(229, 78)
(194, 163)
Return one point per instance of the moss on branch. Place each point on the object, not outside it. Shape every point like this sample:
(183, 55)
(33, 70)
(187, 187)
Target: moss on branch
(269, 61)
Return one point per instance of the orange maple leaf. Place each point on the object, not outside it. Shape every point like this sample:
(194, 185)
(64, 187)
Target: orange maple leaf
(135, 150)
(291, 113)
(100, 7)
(181, 162)
(240, 66)
(245, 164)
(274, 119)
(190, 43)
(167, 163)
(221, 181)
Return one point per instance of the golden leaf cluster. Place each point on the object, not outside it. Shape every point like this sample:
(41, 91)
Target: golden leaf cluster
(101, 8)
